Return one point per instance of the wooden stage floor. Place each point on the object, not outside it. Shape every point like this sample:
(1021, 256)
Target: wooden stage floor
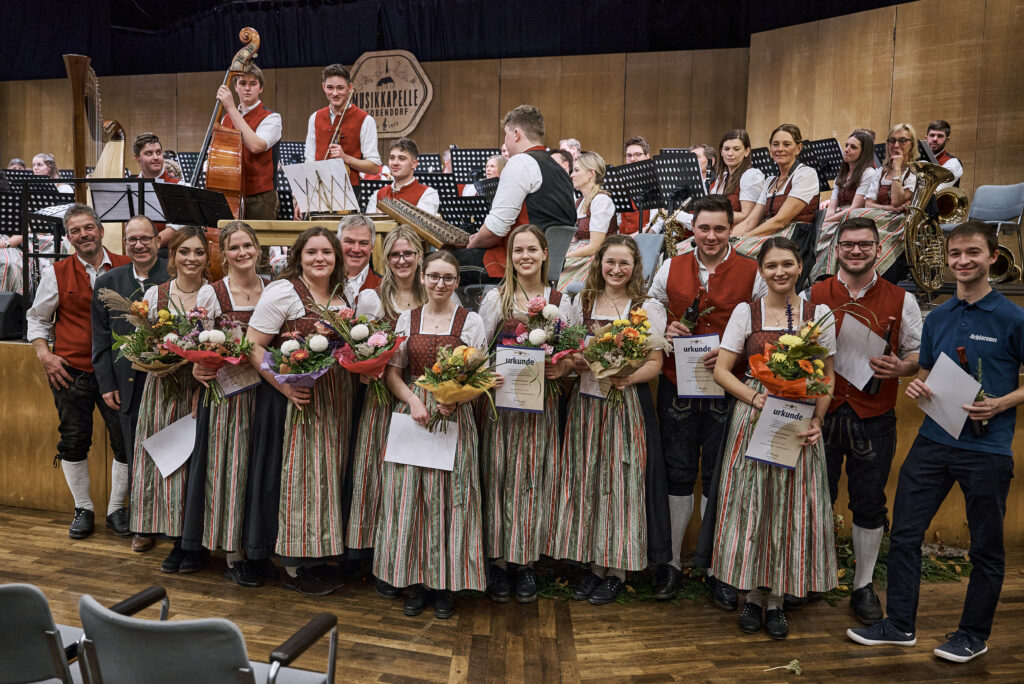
(547, 641)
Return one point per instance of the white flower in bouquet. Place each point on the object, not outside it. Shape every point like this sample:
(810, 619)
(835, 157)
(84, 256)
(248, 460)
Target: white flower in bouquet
(538, 336)
(318, 343)
(170, 337)
(363, 349)
(360, 332)
(289, 346)
(550, 312)
(215, 336)
(204, 336)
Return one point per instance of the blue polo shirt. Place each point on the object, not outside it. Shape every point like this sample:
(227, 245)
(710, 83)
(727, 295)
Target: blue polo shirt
(992, 329)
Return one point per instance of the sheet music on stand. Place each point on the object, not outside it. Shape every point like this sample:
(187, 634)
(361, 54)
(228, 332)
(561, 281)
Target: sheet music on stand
(678, 177)
(628, 183)
(117, 202)
(444, 183)
(466, 212)
(366, 189)
(468, 164)
(321, 186)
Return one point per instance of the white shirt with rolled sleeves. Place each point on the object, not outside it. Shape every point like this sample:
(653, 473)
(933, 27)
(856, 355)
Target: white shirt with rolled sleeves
(268, 130)
(953, 165)
(39, 318)
(520, 177)
(367, 139)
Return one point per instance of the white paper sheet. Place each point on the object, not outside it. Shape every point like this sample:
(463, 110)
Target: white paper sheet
(321, 186)
(692, 378)
(523, 370)
(952, 387)
(775, 439)
(172, 446)
(855, 344)
(412, 444)
(235, 379)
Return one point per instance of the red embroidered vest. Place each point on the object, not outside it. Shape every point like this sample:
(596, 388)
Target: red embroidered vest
(72, 329)
(348, 136)
(411, 192)
(257, 168)
(422, 348)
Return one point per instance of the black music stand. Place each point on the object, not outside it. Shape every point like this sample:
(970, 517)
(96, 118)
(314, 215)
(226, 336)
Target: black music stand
(291, 152)
(761, 159)
(468, 164)
(467, 213)
(190, 206)
(486, 188)
(679, 178)
(365, 190)
(630, 183)
(429, 162)
(444, 183)
(829, 154)
(187, 161)
(673, 150)
(120, 202)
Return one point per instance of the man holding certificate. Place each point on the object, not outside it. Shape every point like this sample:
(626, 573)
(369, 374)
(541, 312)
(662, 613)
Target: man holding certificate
(878, 329)
(989, 328)
(700, 289)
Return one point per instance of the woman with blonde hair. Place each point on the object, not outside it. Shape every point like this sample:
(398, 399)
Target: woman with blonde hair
(595, 218)
(492, 169)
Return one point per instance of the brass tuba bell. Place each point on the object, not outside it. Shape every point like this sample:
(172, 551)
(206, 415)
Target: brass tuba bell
(1003, 270)
(952, 204)
(923, 240)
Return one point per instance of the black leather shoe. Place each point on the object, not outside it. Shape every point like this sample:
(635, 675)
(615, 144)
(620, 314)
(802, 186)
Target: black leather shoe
(83, 524)
(790, 602)
(444, 604)
(775, 624)
(118, 522)
(498, 588)
(750, 618)
(194, 561)
(242, 574)
(607, 591)
(866, 605)
(386, 590)
(306, 582)
(724, 594)
(264, 568)
(331, 575)
(174, 559)
(585, 587)
(419, 598)
(666, 582)
(526, 586)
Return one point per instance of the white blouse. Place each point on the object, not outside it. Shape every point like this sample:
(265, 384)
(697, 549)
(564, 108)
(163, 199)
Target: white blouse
(803, 185)
(751, 184)
(472, 334)
(207, 298)
(739, 328)
(655, 314)
(152, 297)
(863, 188)
(602, 209)
(281, 303)
(490, 310)
(909, 183)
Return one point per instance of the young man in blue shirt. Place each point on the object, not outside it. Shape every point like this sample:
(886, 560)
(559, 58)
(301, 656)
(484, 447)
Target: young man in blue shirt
(991, 327)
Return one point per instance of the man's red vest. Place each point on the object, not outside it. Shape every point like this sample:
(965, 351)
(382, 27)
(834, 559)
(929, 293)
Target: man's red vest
(257, 168)
(351, 125)
(882, 301)
(411, 192)
(372, 282)
(730, 284)
(72, 330)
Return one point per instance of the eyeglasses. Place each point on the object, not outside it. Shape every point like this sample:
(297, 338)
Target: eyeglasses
(435, 278)
(399, 256)
(145, 240)
(899, 141)
(847, 246)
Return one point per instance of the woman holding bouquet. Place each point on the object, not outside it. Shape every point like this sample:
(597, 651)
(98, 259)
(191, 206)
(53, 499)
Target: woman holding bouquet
(601, 516)
(293, 494)
(158, 503)
(775, 530)
(401, 290)
(220, 462)
(520, 448)
(428, 532)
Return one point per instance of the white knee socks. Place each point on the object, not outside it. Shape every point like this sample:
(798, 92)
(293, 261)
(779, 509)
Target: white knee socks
(118, 486)
(865, 550)
(77, 475)
(680, 508)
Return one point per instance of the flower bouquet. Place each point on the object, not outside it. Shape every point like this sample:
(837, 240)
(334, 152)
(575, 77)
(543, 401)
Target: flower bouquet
(794, 366)
(458, 375)
(299, 362)
(367, 346)
(619, 348)
(146, 347)
(214, 347)
(542, 328)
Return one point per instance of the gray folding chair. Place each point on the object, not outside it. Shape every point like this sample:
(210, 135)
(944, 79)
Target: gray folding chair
(32, 647)
(1002, 206)
(650, 252)
(559, 238)
(116, 648)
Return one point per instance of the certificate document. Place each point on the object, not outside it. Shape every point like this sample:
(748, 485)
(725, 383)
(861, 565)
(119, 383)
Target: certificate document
(235, 379)
(523, 370)
(775, 439)
(952, 388)
(855, 345)
(692, 378)
(172, 446)
(412, 444)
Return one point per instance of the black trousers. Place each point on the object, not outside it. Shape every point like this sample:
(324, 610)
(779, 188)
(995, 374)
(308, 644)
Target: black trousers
(867, 445)
(692, 433)
(74, 408)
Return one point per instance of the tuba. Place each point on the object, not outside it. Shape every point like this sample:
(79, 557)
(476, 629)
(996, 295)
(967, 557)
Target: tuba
(675, 231)
(1003, 270)
(952, 204)
(923, 239)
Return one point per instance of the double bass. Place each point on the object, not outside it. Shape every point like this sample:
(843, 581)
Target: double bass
(222, 147)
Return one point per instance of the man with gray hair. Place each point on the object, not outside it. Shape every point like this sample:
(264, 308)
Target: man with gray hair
(62, 310)
(356, 233)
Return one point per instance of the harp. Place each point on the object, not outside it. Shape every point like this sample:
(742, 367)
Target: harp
(95, 142)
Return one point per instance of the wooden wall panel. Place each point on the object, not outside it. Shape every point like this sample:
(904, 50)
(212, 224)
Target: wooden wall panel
(430, 131)
(1000, 142)
(536, 81)
(939, 78)
(853, 90)
(658, 100)
(470, 109)
(593, 98)
(718, 99)
(37, 118)
(197, 95)
(781, 83)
